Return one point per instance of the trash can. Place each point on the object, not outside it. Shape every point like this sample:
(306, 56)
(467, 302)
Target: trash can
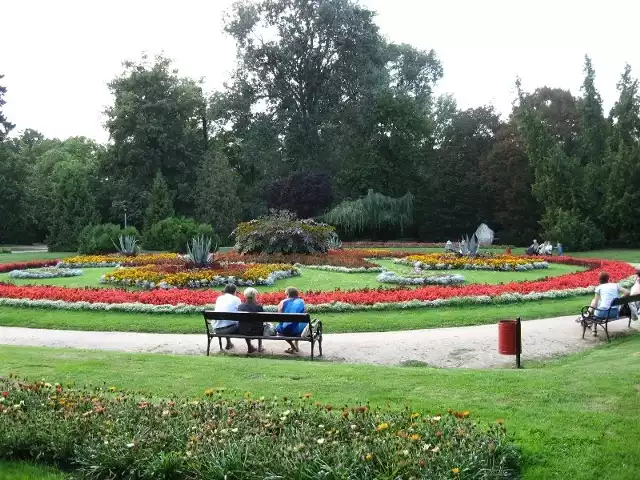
(508, 337)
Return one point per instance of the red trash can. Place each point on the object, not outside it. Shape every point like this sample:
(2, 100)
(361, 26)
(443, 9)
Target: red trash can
(508, 337)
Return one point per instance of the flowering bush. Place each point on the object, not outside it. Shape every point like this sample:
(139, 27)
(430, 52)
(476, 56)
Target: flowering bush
(393, 277)
(8, 267)
(155, 276)
(105, 433)
(4, 250)
(49, 272)
(448, 261)
(103, 261)
(282, 232)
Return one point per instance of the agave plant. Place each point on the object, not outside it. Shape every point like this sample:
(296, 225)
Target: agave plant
(334, 242)
(199, 251)
(127, 245)
(469, 247)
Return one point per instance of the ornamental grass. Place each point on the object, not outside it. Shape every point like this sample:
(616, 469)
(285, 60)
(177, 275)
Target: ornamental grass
(105, 433)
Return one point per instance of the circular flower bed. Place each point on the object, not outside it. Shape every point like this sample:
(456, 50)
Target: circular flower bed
(50, 272)
(393, 277)
(185, 300)
(448, 261)
(161, 276)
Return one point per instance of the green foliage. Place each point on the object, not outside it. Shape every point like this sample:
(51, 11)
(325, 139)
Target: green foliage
(156, 124)
(574, 232)
(199, 251)
(373, 212)
(103, 238)
(173, 234)
(5, 125)
(5, 250)
(216, 197)
(218, 437)
(161, 202)
(282, 232)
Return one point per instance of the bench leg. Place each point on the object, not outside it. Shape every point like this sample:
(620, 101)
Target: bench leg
(220, 342)
(208, 344)
(312, 347)
(584, 327)
(320, 344)
(606, 330)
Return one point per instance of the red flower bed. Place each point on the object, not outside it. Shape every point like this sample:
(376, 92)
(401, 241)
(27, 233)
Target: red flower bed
(8, 267)
(617, 270)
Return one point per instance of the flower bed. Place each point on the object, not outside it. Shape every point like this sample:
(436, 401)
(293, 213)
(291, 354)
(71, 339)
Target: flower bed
(117, 260)
(105, 433)
(155, 276)
(407, 245)
(447, 261)
(184, 300)
(393, 277)
(350, 260)
(8, 267)
(48, 272)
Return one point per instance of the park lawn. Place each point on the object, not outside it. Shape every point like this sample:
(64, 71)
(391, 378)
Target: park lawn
(363, 321)
(26, 471)
(27, 257)
(571, 417)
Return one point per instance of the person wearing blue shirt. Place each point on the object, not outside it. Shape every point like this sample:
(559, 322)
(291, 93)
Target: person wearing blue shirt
(291, 304)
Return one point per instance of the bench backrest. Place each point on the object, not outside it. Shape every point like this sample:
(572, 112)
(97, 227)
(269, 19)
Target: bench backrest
(257, 317)
(625, 300)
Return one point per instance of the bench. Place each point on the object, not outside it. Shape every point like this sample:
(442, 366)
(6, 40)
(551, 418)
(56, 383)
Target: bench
(315, 326)
(589, 319)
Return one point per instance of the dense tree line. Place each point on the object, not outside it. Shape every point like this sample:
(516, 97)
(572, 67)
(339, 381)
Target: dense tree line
(320, 109)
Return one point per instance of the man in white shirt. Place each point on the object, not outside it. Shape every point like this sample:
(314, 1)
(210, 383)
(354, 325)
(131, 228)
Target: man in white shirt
(227, 302)
(606, 293)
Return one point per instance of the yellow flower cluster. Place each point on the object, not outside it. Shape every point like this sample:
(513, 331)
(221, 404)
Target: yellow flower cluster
(457, 262)
(143, 259)
(142, 276)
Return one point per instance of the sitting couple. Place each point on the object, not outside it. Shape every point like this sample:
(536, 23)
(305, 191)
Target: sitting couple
(229, 302)
(607, 292)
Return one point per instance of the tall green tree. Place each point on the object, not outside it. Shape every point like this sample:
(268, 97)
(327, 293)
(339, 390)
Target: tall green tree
(160, 202)
(623, 163)
(156, 123)
(217, 202)
(5, 125)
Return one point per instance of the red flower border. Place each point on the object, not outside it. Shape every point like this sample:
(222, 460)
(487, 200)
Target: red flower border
(617, 270)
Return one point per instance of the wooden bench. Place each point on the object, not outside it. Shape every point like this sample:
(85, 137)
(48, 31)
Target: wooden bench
(589, 319)
(315, 326)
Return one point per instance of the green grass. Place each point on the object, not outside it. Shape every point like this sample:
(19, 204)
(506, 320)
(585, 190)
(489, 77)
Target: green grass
(27, 257)
(576, 417)
(375, 321)
(25, 471)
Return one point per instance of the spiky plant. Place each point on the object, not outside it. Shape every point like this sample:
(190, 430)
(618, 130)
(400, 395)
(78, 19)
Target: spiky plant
(199, 252)
(334, 242)
(127, 245)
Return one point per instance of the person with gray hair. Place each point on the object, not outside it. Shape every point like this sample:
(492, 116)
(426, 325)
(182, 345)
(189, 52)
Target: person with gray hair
(251, 304)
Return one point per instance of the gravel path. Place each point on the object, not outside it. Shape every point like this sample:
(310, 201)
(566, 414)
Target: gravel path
(466, 347)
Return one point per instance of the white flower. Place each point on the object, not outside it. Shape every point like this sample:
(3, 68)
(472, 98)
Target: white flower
(320, 441)
(131, 445)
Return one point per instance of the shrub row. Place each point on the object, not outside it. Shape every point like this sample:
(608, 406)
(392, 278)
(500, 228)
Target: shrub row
(170, 234)
(104, 434)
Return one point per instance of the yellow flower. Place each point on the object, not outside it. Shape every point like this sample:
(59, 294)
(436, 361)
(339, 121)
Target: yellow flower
(208, 392)
(368, 457)
(382, 426)
(415, 415)
(455, 470)
(414, 437)
(112, 389)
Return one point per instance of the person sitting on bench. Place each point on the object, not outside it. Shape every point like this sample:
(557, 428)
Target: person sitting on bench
(606, 293)
(291, 304)
(251, 305)
(635, 290)
(227, 302)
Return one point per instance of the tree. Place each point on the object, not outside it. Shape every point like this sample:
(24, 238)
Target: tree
(307, 194)
(156, 124)
(14, 221)
(623, 163)
(506, 176)
(5, 125)
(217, 202)
(74, 205)
(160, 203)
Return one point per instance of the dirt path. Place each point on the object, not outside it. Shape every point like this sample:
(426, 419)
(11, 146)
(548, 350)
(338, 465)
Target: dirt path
(466, 347)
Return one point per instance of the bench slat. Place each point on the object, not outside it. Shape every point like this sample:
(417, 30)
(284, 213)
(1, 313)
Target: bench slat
(625, 300)
(258, 317)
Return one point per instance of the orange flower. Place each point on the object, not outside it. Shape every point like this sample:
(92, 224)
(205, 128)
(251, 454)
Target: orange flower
(455, 470)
